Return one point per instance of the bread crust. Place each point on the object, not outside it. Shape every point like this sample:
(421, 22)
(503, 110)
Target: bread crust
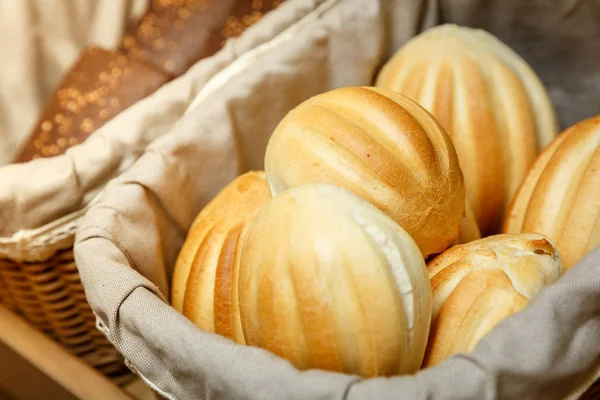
(477, 285)
(469, 229)
(560, 197)
(331, 282)
(204, 284)
(382, 147)
(488, 99)
(99, 86)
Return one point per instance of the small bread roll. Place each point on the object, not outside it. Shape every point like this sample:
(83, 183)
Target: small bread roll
(560, 197)
(328, 281)
(205, 275)
(477, 285)
(488, 99)
(381, 146)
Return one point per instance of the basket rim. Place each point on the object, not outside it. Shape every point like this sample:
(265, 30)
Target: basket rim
(40, 244)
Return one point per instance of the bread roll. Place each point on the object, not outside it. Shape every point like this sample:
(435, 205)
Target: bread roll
(381, 146)
(560, 197)
(100, 85)
(477, 285)
(328, 281)
(205, 274)
(492, 104)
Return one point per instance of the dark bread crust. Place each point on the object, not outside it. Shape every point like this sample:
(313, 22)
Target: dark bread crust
(174, 34)
(99, 86)
(170, 37)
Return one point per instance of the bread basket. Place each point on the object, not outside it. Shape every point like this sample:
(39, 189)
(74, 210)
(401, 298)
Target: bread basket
(42, 203)
(128, 241)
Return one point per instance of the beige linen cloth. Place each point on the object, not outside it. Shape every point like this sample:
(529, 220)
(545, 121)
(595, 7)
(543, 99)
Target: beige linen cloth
(42, 201)
(39, 40)
(213, 123)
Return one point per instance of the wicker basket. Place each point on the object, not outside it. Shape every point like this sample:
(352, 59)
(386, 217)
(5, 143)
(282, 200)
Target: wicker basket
(39, 281)
(128, 242)
(38, 276)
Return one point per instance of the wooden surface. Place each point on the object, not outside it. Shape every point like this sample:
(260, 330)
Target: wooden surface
(139, 391)
(34, 367)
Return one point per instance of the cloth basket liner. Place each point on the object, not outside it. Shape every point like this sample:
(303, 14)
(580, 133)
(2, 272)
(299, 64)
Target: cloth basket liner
(129, 239)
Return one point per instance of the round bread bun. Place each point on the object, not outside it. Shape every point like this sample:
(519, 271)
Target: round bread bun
(477, 285)
(560, 197)
(490, 102)
(381, 146)
(205, 274)
(328, 281)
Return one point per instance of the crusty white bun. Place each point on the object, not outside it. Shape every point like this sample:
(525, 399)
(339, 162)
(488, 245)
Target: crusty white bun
(382, 147)
(205, 274)
(488, 99)
(560, 197)
(477, 285)
(328, 281)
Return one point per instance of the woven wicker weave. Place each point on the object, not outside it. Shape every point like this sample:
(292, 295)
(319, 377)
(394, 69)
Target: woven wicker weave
(47, 292)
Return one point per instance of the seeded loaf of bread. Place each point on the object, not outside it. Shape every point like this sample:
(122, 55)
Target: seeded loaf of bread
(171, 36)
(100, 85)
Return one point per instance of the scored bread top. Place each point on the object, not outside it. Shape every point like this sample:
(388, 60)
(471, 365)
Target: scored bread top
(328, 281)
(382, 147)
(205, 273)
(560, 197)
(476, 285)
(492, 104)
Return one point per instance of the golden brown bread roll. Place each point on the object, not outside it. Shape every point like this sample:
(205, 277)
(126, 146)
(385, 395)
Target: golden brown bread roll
(205, 274)
(100, 85)
(560, 197)
(477, 285)
(381, 146)
(328, 281)
(491, 103)
(175, 34)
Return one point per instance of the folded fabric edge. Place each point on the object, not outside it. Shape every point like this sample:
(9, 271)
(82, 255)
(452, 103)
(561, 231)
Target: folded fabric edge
(246, 60)
(425, 384)
(18, 171)
(95, 236)
(253, 366)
